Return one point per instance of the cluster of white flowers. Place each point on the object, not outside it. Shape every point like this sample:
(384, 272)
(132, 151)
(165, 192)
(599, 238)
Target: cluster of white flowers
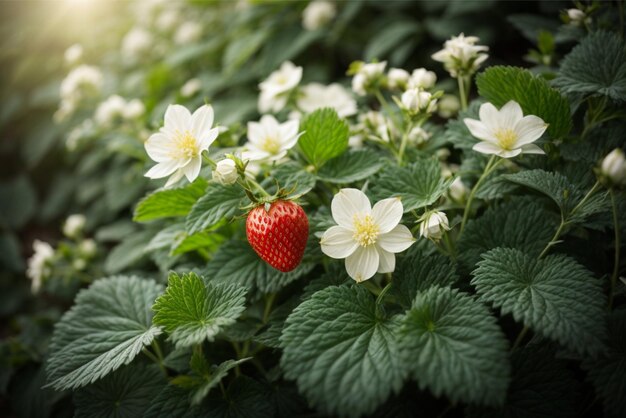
(73, 54)
(137, 42)
(314, 96)
(317, 14)
(416, 101)
(82, 82)
(461, 56)
(74, 225)
(367, 76)
(275, 90)
(188, 32)
(117, 108)
(38, 268)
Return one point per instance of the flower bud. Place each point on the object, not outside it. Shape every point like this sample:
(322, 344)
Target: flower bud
(317, 14)
(576, 16)
(614, 167)
(397, 78)
(87, 248)
(458, 190)
(421, 78)
(225, 172)
(74, 225)
(416, 101)
(433, 225)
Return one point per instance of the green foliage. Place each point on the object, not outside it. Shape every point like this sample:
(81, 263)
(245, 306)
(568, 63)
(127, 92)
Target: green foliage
(244, 398)
(127, 253)
(172, 401)
(169, 202)
(109, 324)
(418, 185)
(291, 177)
(351, 166)
(125, 393)
(218, 203)
(342, 351)
(555, 296)
(597, 66)
(325, 136)
(500, 84)
(389, 39)
(452, 345)
(193, 311)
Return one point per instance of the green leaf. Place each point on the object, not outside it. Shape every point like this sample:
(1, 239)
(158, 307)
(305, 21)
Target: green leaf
(215, 376)
(18, 202)
(554, 296)
(607, 373)
(452, 345)
(128, 252)
(244, 398)
(597, 66)
(169, 202)
(109, 324)
(521, 223)
(500, 84)
(292, 177)
(192, 311)
(389, 39)
(351, 166)
(125, 393)
(236, 262)
(219, 202)
(325, 136)
(241, 48)
(418, 185)
(342, 351)
(172, 402)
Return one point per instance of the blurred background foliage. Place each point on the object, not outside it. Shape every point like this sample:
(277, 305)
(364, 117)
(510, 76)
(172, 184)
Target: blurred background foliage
(53, 166)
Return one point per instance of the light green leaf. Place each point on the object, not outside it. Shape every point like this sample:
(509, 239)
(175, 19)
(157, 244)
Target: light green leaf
(555, 296)
(418, 185)
(351, 166)
(125, 393)
(218, 203)
(325, 136)
(169, 202)
(342, 351)
(192, 311)
(109, 324)
(597, 66)
(500, 84)
(452, 345)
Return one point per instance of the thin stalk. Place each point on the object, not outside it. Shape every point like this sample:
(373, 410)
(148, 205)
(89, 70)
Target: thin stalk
(555, 237)
(462, 92)
(405, 139)
(382, 294)
(617, 249)
(520, 338)
(491, 165)
(269, 301)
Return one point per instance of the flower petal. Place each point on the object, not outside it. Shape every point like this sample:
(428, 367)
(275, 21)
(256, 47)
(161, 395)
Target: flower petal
(337, 242)
(489, 116)
(201, 121)
(363, 263)
(288, 130)
(510, 153)
(174, 178)
(479, 130)
(346, 204)
(387, 213)
(510, 114)
(529, 129)
(163, 169)
(387, 263)
(396, 240)
(487, 148)
(204, 142)
(177, 118)
(192, 169)
(158, 147)
(531, 149)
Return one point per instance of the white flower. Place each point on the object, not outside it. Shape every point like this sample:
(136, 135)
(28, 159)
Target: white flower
(418, 135)
(397, 78)
(433, 225)
(38, 267)
(269, 140)
(317, 14)
(416, 101)
(134, 109)
(355, 141)
(614, 167)
(506, 132)
(79, 264)
(80, 82)
(275, 90)
(458, 190)
(188, 32)
(225, 172)
(137, 42)
(73, 54)
(367, 75)
(87, 248)
(74, 225)
(191, 87)
(421, 78)
(178, 147)
(316, 95)
(461, 56)
(116, 108)
(576, 16)
(366, 237)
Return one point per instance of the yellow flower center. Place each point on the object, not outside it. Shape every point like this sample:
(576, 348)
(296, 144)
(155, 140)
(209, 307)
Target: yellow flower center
(281, 79)
(365, 230)
(506, 138)
(271, 145)
(185, 145)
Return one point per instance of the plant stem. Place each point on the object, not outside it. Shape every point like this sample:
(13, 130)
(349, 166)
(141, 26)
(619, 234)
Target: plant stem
(462, 91)
(269, 301)
(555, 237)
(520, 338)
(405, 139)
(382, 294)
(491, 165)
(617, 249)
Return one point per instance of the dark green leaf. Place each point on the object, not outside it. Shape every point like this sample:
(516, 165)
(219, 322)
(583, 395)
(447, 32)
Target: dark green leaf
(351, 166)
(218, 203)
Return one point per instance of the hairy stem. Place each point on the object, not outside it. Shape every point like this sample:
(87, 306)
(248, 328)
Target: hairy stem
(617, 250)
(491, 165)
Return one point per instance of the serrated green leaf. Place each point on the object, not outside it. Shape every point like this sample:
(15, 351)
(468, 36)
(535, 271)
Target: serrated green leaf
(125, 393)
(452, 345)
(192, 311)
(351, 166)
(210, 378)
(554, 296)
(172, 402)
(325, 136)
(499, 84)
(521, 223)
(597, 66)
(342, 351)
(219, 202)
(607, 373)
(236, 262)
(418, 185)
(109, 324)
(244, 398)
(292, 177)
(128, 252)
(169, 202)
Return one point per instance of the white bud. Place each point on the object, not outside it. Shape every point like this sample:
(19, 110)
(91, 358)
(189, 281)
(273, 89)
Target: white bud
(448, 105)
(433, 225)
(87, 248)
(225, 172)
(74, 225)
(134, 109)
(422, 78)
(73, 54)
(358, 84)
(576, 16)
(191, 87)
(397, 78)
(614, 167)
(317, 14)
(458, 190)
(416, 101)
(79, 264)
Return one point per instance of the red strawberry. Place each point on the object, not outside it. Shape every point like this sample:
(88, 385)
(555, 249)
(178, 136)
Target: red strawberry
(278, 235)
